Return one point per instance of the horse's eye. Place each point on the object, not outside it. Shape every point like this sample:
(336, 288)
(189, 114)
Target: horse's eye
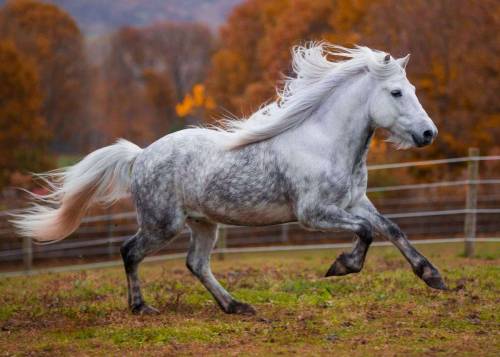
(396, 93)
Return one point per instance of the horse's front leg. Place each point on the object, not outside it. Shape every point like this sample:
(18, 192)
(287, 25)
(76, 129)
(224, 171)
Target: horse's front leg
(420, 265)
(325, 218)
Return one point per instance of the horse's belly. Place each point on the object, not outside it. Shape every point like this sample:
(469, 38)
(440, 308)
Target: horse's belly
(259, 215)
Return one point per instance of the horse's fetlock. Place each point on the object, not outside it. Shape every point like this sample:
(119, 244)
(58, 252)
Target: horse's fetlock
(343, 265)
(349, 261)
(423, 267)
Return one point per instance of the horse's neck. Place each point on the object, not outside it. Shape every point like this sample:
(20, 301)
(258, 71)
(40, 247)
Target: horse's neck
(340, 128)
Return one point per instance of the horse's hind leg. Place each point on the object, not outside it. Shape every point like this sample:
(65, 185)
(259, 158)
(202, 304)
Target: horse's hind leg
(203, 238)
(133, 251)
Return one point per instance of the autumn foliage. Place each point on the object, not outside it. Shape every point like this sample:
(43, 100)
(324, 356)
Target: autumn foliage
(23, 131)
(196, 101)
(146, 73)
(51, 40)
(61, 93)
(454, 62)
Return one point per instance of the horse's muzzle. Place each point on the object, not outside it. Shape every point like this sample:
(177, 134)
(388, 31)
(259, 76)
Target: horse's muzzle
(425, 138)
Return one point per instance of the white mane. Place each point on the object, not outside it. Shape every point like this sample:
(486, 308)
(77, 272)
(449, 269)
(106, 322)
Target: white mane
(315, 77)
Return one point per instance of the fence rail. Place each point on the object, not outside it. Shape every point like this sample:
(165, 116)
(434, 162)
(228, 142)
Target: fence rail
(98, 245)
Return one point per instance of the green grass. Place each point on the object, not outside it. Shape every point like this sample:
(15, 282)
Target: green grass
(383, 311)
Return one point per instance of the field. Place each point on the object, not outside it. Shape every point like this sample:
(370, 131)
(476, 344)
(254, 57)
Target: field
(383, 311)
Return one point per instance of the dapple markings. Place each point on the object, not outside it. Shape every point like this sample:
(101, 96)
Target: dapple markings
(301, 158)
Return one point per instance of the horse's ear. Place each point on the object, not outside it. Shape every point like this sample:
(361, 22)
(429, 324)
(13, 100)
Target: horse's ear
(403, 61)
(387, 58)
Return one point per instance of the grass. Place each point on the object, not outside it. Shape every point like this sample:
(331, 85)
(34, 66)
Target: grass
(383, 311)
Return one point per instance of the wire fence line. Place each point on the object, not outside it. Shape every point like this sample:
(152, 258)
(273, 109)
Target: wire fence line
(433, 185)
(81, 244)
(279, 233)
(373, 189)
(119, 239)
(218, 251)
(132, 214)
(434, 162)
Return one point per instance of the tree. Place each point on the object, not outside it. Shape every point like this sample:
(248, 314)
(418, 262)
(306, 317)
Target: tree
(23, 131)
(454, 58)
(156, 66)
(256, 42)
(50, 38)
(455, 71)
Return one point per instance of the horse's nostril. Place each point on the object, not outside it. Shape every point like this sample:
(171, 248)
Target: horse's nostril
(428, 134)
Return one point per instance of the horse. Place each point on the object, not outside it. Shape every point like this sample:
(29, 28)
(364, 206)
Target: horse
(301, 158)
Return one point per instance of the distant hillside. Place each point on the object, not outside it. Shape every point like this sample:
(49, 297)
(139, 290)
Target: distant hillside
(96, 17)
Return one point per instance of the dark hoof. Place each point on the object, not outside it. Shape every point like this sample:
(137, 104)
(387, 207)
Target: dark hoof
(341, 267)
(431, 276)
(144, 309)
(436, 283)
(240, 308)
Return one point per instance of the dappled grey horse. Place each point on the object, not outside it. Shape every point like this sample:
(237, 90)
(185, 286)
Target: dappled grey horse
(299, 159)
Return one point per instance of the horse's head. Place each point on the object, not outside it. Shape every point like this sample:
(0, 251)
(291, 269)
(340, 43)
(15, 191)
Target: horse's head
(395, 107)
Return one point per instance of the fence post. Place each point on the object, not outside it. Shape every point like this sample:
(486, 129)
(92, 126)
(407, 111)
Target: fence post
(27, 254)
(221, 240)
(471, 202)
(284, 233)
(110, 234)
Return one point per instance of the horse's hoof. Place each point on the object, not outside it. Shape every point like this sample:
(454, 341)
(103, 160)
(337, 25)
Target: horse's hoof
(337, 269)
(431, 276)
(341, 267)
(144, 309)
(436, 282)
(240, 308)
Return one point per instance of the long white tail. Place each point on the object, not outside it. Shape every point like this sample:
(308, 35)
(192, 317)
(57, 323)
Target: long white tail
(101, 177)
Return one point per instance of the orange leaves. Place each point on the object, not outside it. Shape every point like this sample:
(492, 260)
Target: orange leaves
(23, 134)
(195, 101)
(453, 65)
(147, 71)
(257, 41)
(49, 38)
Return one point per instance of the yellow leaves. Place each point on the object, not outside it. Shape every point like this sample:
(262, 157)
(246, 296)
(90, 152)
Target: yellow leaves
(195, 101)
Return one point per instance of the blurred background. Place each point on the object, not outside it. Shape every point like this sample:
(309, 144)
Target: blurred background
(76, 75)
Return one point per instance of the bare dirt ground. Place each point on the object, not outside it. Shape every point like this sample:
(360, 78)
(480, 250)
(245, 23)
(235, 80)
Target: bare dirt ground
(383, 311)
